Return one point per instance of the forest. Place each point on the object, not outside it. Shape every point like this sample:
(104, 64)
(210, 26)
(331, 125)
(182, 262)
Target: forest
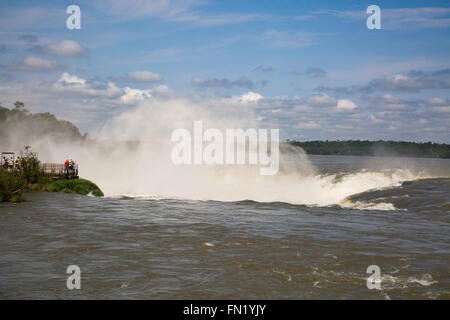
(375, 148)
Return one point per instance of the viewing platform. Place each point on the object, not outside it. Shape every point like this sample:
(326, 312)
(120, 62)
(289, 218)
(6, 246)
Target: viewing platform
(58, 170)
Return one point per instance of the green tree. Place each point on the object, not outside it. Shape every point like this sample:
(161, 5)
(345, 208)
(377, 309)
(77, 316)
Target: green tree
(30, 165)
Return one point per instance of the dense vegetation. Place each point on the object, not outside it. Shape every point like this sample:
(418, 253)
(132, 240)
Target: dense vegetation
(79, 186)
(18, 124)
(375, 148)
(30, 177)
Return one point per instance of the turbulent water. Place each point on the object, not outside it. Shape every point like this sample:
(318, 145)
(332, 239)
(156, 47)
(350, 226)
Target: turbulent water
(313, 240)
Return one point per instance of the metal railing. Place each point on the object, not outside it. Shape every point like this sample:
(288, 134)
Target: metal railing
(59, 169)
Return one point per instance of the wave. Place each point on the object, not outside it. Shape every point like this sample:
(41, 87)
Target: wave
(314, 190)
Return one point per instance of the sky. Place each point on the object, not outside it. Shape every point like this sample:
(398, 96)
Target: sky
(312, 69)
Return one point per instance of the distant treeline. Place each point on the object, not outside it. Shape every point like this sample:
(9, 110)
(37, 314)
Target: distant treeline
(18, 124)
(375, 148)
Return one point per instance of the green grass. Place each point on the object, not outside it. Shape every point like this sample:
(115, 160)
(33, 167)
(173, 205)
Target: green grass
(11, 182)
(78, 186)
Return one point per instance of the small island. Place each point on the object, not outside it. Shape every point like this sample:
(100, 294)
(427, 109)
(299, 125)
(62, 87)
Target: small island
(29, 175)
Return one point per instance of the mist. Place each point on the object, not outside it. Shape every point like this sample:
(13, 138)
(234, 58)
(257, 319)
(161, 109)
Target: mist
(129, 155)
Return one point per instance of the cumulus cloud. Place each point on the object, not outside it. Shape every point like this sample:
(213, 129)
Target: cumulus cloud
(144, 76)
(65, 48)
(250, 97)
(345, 105)
(222, 83)
(132, 96)
(34, 64)
(73, 84)
(109, 92)
(67, 78)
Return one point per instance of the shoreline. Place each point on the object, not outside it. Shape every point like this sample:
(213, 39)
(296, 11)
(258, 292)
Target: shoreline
(73, 186)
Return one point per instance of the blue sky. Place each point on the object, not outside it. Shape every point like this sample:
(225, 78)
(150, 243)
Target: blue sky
(313, 68)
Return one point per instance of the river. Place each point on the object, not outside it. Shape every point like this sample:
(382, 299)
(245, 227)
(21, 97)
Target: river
(144, 247)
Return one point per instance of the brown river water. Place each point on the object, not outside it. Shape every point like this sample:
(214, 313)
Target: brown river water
(142, 247)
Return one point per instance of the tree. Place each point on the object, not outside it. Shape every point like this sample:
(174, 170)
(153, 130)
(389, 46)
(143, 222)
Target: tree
(30, 165)
(19, 105)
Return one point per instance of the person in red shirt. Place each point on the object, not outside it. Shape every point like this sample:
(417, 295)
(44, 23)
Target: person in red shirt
(66, 167)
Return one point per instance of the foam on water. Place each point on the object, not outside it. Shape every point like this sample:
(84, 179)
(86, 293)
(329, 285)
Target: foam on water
(143, 168)
(309, 190)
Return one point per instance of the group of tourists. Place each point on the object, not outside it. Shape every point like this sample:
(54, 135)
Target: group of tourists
(9, 163)
(69, 165)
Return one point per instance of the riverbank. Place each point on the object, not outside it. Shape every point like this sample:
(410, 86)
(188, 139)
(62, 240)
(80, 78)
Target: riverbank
(13, 188)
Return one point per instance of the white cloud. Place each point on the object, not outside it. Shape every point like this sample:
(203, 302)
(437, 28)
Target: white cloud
(308, 125)
(70, 79)
(390, 99)
(74, 84)
(445, 109)
(65, 48)
(34, 64)
(144, 76)
(436, 101)
(345, 105)
(132, 96)
(250, 97)
(375, 119)
(321, 100)
(163, 91)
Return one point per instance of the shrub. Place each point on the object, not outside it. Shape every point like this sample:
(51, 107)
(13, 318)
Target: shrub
(30, 165)
(12, 185)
